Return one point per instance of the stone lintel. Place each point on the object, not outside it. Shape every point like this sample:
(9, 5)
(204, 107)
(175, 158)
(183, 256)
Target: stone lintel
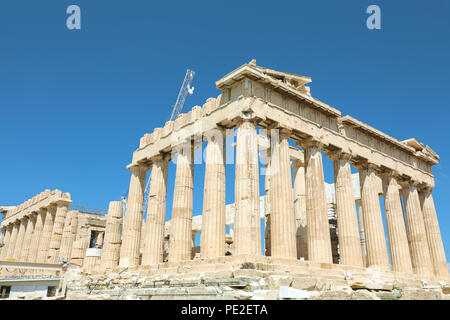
(52, 200)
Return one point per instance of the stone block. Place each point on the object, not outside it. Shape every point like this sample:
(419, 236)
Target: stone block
(333, 295)
(371, 284)
(168, 129)
(265, 295)
(275, 281)
(291, 293)
(238, 295)
(421, 294)
(364, 295)
(304, 283)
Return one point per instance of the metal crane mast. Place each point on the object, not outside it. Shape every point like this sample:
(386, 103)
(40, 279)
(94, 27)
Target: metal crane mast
(184, 90)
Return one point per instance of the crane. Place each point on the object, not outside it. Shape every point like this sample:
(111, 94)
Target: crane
(181, 99)
(184, 90)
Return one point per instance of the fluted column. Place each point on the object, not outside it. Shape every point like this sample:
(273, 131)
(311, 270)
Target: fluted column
(58, 228)
(156, 213)
(377, 255)
(434, 238)
(362, 233)
(417, 237)
(318, 228)
(212, 237)
(282, 219)
(13, 240)
(267, 224)
(66, 243)
(37, 236)
(347, 220)
(44, 243)
(129, 253)
(78, 253)
(20, 238)
(27, 238)
(4, 240)
(300, 209)
(180, 247)
(73, 232)
(113, 231)
(395, 224)
(247, 225)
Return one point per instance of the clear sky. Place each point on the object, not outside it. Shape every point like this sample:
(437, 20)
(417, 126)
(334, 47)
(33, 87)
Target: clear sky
(74, 103)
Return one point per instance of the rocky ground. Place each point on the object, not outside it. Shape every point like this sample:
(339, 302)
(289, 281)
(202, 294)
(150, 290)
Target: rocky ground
(250, 284)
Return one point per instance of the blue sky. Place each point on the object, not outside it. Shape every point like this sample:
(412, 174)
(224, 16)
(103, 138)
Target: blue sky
(73, 104)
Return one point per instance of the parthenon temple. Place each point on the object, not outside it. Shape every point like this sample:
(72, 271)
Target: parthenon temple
(376, 220)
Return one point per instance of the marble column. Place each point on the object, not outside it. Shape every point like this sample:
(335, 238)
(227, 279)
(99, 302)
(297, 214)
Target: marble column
(347, 220)
(434, 238)
(13, 240)
(27, 238)
(44, 243)
(180, 246)
(156, 213)
(212, 237)
(300, 209)
(79, 251)
(113, 232)
(129, 253)
(395, 224)
(362, 233)
(267, 224)
(377, 255)
(99, 241)
(58, 228)
(2, 240)
(66, 243)
(318, 228)
(73, 231)
(6, 241)
(247, 224)
(20, 238)
(417, 237)
(37, 236)
(282, 218)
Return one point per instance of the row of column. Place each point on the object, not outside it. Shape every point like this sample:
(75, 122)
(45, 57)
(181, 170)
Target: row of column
(38, 237)
(294, 232)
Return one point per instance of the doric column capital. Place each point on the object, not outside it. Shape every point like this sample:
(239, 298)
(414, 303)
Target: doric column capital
(42, 210)
(34, 214)
(161, 157)
(408, 183)
(365, 164)
(51, 207)
(386, 172)
(139, 167)
(425, 189)
(309, 142)
(297, 163)
(338, 154)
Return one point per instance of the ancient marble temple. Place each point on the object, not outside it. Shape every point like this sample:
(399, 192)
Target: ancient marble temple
(274, 118)
(254, 97)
